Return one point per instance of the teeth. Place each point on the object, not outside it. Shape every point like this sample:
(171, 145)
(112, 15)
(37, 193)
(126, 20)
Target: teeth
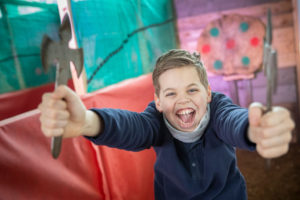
(185, 111)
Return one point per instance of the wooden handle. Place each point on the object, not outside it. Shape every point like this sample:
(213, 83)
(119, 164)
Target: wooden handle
(56, 146)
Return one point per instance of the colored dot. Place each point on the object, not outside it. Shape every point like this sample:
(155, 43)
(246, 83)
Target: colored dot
(214, 32)
(254, 41)
(205, 48)
(244, 26)
(245, 60)
(218, 64)
(230, 44)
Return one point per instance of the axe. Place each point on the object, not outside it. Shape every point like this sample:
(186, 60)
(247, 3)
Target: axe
(59, 54)
(270, 63)
(270, 68)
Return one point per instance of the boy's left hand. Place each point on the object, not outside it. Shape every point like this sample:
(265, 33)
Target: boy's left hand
(272, 132)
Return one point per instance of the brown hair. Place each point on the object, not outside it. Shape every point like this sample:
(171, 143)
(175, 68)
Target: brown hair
(178, 58)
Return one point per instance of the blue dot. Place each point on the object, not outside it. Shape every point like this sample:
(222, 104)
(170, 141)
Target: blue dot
(214, 32)
(244, 26)
(218, 64)
(245, 60)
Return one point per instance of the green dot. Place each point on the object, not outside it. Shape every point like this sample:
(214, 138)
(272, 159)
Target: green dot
(218, 64)
(244, 26)
(245, 60)
(214, 32)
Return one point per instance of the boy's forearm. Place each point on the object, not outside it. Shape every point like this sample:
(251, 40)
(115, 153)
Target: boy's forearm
(93, 124)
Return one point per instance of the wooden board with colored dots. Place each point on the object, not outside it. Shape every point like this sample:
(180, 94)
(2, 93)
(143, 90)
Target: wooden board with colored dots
(232, 45)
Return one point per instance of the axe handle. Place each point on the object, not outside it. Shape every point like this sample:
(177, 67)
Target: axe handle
(268, 160)
(56, 141)
(56, 146)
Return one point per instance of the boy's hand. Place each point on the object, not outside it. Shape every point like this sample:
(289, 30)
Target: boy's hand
(272, 132)
(63, 113)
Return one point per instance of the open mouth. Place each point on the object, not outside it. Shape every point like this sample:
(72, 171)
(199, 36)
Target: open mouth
(186, 117)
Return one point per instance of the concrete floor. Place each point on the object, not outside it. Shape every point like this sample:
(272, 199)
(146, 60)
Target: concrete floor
(279, 182)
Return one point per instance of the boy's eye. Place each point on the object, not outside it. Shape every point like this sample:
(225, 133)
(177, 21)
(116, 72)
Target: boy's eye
(192, 90)
(170, 94)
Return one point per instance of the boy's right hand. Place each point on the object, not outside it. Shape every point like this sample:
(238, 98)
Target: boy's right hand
(62, 113)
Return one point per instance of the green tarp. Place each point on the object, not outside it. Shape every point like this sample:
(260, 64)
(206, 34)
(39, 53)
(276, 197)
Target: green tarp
(103, 26)
(21, 29)
(120, 39)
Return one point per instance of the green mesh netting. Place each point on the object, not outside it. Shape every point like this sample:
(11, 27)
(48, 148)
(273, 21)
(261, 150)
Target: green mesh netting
(109, 29)
(121, 39)
(22, 25)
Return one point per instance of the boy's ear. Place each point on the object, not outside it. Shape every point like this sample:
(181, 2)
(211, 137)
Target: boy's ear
(157, 103)
(208, 94)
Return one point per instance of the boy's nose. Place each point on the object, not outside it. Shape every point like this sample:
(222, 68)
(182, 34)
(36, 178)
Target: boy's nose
(183, 100)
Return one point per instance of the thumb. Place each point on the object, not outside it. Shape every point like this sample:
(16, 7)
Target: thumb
(63, 92)
(255, 113)
(74, 104)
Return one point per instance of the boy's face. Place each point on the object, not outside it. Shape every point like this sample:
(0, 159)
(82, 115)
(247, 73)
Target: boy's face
(182, 98)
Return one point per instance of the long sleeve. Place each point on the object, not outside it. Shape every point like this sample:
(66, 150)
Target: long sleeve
(230, 122)
(129, 130)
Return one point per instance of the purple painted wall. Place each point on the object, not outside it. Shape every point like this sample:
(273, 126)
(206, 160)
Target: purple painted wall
(244, 91)
(255, 89)
(185, 8)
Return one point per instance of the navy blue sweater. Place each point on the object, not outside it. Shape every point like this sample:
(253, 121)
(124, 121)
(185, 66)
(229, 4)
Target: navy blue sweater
(205, 169)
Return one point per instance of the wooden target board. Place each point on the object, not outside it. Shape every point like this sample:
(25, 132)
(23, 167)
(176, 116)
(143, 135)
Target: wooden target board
(232, 45)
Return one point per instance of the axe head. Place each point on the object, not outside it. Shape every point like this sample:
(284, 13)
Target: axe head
(59, 52)
(48, 52)
(65, 32)
(269, 28)
(77, 59)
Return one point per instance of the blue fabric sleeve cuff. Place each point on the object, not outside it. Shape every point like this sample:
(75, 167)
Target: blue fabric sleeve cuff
(246, 142)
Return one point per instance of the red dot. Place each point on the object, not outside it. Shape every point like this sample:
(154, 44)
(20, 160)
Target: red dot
(206, 48)
(254, 41)
(230, 44)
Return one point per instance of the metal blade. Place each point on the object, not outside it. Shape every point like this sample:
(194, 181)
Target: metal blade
(77, 55)
(48, 45)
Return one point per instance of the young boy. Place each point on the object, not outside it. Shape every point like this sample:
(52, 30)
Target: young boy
(194, 131)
